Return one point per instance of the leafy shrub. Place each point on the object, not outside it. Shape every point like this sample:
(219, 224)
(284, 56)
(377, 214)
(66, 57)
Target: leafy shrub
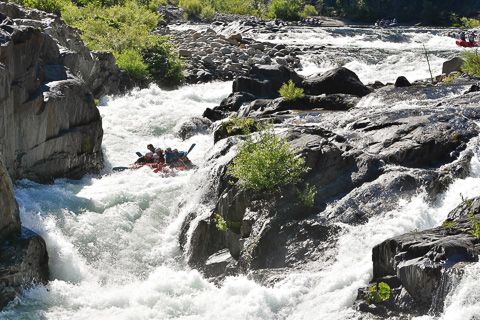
(469, 23)
(52, 6)
(380, 293)
(308, 196)
(208, 13)
(164, 65)
(290, 92)
(288, 10)
(220, 222)
(266, 162)
(236, 122)
(131, 61)
(309, 10)
(192, 7)
(472, 63)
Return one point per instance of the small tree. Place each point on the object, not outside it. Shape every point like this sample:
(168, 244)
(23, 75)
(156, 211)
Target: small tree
(472, 63)
(266, 162)
(290, 92)
(288, 10)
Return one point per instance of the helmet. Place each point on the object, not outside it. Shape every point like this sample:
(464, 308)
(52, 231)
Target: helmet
(150, 146)
(158, 150)
(168, 149)
(175, 150)
(149, 154)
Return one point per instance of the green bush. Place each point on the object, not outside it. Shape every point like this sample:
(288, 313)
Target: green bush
(220, 222)
(380, 293)
(469, 23)
(164, 65)
(208, 13)
(131, 61)
(309, 10)
(288, 10)
(52, 6)
(307, 196)
(290, 92)
(192, 7)
(266, 162)
(472, 62)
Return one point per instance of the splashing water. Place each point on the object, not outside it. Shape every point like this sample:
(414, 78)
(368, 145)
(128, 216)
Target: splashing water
(113, 239)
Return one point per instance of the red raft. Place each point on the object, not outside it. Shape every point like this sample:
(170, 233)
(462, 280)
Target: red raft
(463, 43)
(156, 167)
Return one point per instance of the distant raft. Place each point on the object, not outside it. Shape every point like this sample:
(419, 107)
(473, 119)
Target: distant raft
(463, 43)
(157, 167)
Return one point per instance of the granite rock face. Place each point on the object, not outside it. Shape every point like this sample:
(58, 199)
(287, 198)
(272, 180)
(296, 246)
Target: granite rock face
(51, 126)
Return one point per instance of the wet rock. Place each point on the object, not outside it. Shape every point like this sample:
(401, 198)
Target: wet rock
(420, 267)
(402, 82)
(23, 264)
(9, 213)
(340, 80)
(454, 64)
(193, 127)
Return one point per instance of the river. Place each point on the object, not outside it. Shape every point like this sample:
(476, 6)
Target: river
(113, 238)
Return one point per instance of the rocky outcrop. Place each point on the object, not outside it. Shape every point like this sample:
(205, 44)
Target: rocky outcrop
(362, 162)
(210, 55)
(23, 254)
(51, 126)
(419, 266)
(9, 214)
(62, 45)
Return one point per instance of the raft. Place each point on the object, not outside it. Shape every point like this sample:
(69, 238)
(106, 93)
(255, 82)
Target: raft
(156, 167)
(463, 43)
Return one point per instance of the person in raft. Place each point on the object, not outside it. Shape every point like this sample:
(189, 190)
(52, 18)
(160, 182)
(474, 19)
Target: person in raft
(462, 36)
(471, 38)
(147, 158)
(169, 156)
(181, 159)
(158, 156)
(151, 148)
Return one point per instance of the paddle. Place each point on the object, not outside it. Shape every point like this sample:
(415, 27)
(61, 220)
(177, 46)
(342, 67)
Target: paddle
(139, 154)
(118, 169)
(193, 145)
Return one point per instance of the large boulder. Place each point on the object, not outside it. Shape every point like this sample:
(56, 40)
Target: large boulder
(52, 127)
(419, 265)
(62, 45)
(454, 64)
(264, 81)
(340, 80)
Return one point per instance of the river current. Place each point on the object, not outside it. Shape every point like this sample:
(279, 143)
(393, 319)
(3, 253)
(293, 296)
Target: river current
(113, 238)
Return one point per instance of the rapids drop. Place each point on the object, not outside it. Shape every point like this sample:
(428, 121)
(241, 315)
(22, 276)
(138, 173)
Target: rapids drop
(113, 238)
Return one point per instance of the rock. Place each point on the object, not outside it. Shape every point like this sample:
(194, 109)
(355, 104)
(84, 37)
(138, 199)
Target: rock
(9, 213)
(265, 81)
(193, 127)
(424, 261)
(454, 64)
(23, 264)
(50, 106)
(185, 53)
(402, 82)
(340, 80)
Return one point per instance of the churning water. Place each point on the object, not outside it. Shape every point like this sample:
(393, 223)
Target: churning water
(113, 238)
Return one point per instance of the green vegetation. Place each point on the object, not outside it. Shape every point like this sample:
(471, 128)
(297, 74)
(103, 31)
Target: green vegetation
(472, 63)
(124, 28)
(379, 293)
(192, 7)
(450, 77)
(236, 122)
(288, 10)
(309, 11)
(220, 222)
(465, 22)
(307, 196)
(290, 92)
(208, 13)
(448, 225)
(473, 218)
(266, 162)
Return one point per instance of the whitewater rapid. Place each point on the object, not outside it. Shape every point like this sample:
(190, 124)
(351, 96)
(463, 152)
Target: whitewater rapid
(113, 238)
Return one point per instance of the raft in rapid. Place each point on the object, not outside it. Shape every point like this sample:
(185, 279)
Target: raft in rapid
(463, 43)
(156, 167)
